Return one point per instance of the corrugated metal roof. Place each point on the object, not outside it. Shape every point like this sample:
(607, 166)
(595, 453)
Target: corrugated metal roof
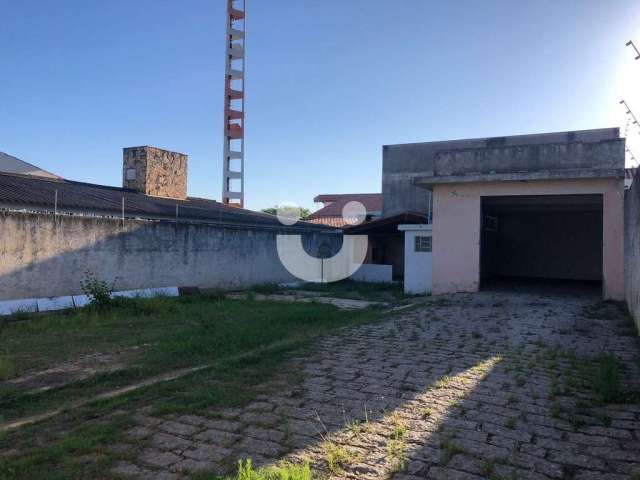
(11, 164)
(33, 193)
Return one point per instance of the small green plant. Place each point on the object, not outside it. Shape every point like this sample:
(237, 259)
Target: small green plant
(426, 412)
(606, 421)
(449, 449)
(556, 409)
(397, 454)
(606, 379)
(337, 457)
(511, 423)
(443, 382)
(488, 468)
(396, 446)
(99, 291)
(284, 471)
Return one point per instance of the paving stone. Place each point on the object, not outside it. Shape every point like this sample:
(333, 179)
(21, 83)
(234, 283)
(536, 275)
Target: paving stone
(264, 434)
(443, 473)
(208, 453)
(218, 437)
(176, 428)
(391, 370)
(190, 465)
(139, 432)
(169, 442)
(262, 447)
(125, 469)
(158, 458)
(226, 425)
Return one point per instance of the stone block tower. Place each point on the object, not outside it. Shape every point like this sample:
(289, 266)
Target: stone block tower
(155, 172)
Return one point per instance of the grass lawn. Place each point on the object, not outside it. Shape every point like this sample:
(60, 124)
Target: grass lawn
(378, 292)
(244, 341)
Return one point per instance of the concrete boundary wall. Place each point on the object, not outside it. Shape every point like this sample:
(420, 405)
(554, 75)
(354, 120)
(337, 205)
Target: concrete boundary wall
(42, 255)
(632, 249)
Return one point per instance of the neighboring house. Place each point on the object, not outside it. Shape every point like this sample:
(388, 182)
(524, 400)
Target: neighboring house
(10, 164)
(155, 189)
(543, 206)
(333, 205)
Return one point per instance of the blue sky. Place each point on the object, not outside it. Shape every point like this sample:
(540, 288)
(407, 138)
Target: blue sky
(328, 82)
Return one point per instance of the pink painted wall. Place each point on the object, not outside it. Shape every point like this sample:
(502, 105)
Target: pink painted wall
(456, 228)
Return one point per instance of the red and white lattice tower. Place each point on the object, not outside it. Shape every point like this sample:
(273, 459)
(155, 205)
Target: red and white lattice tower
(233, 164)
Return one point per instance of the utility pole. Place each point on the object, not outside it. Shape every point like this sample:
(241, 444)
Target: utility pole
(234, 111)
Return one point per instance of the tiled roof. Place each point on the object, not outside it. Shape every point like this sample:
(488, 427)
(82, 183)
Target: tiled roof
(332, 221)
(24, 192)
(371, 201)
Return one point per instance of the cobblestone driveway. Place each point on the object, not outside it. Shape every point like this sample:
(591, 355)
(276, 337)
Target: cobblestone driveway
(465, 387)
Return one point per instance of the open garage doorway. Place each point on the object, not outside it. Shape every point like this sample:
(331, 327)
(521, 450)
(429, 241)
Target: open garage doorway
(548, 242)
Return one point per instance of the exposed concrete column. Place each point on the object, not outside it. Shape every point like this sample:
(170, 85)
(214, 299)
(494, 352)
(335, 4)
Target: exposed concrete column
(456, 240)
(613, 243)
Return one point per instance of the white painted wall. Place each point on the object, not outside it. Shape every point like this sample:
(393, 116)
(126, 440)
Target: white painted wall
(417, 265)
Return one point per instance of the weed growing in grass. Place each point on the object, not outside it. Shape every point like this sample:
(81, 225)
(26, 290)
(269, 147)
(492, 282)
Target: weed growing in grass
(443, 382)
(397, 454)
(606, 379)
(17, 315)
(284, 471)
(488, 468)
(337, 457)
(6, 367)
(606, 421)
(426, 412)
(449, 449)
(396, 446)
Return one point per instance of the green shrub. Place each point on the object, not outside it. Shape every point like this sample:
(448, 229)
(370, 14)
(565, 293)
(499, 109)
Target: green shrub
(100, 292)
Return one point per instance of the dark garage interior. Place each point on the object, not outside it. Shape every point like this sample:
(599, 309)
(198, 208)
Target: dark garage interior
(555, 238)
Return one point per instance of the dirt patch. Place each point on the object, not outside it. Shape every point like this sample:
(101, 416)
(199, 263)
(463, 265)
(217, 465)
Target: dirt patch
(77, 370)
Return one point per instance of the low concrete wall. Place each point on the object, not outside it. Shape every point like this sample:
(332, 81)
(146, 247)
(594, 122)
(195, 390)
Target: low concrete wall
(373, 273)
(43, 255)
(632, 249)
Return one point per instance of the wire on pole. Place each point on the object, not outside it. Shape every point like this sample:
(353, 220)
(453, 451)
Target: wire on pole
(632, 45)
(632, 156)
(630, 115)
